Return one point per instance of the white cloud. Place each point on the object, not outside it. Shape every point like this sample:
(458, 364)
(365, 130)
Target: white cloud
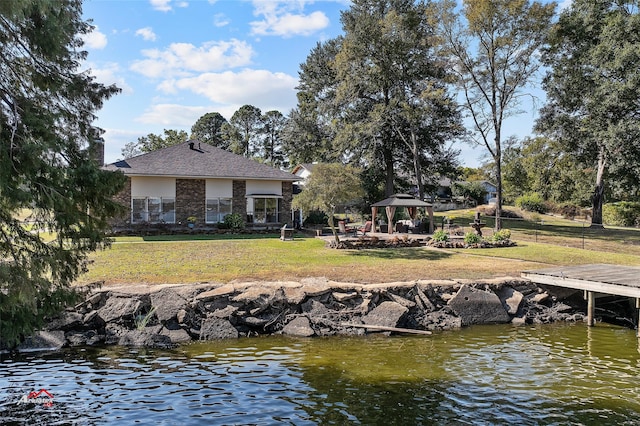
(146, 33)
(115, 140)
(108, 74)
(220, 20)
(262, 88)
(286, 19)
(95, 39)
(161, 5)
(173, 116)
(184, 58)
(166, 5)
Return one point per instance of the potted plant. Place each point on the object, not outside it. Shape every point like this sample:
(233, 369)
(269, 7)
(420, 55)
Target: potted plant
(191, 221)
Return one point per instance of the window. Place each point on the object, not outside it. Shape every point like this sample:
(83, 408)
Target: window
(217, 209)
(153, 210)
(265, 210)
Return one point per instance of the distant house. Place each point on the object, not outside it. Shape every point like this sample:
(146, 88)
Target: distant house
(197, 182)
(492, 191)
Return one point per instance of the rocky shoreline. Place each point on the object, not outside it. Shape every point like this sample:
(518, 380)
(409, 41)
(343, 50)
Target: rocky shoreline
(168, 315)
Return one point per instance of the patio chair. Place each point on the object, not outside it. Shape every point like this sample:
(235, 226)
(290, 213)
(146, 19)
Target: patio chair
(344, 229)
(364, 229)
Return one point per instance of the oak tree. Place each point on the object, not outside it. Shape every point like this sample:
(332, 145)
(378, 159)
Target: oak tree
(493, 45)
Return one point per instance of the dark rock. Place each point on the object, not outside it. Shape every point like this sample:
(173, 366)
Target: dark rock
(177, 336)
(113, 332)
(167, 303)
(66, 321)
(440, 320)
(300, 326)
(43, 341)
(400, 300)
(90, 317)
(510, 298)
(95, 300)
(314, 308)
(222, 291)
(217, 328)
(84, 338)
(117, 308)
(145, 338)
(341, 297)
(387, 314)
(476, 306)
(255, 322)
(423, 301)
(226, 312)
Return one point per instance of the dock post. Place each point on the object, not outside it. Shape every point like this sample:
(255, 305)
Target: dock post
(638, 311)
(591, 308)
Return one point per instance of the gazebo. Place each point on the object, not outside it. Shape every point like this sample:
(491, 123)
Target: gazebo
(401, 200)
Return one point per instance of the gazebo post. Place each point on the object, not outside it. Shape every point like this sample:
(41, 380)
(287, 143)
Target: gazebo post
(391, 211)
(430, 211)
(374, 213)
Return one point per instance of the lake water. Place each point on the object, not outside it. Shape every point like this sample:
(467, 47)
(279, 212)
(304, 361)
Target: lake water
(530, 375)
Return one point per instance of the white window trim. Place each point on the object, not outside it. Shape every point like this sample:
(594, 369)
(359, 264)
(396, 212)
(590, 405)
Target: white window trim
(146, 209)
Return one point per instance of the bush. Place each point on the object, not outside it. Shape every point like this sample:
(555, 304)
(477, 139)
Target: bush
(623, 213)
(316, 218)
(440, 236)
(501, 235)
(532, 203)
(567, 210)
(471, 238)
(234, 221)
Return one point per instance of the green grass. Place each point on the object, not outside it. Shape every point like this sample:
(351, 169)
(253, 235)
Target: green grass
(245, 257)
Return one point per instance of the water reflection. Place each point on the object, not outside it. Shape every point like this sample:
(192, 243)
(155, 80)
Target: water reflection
(567, 374)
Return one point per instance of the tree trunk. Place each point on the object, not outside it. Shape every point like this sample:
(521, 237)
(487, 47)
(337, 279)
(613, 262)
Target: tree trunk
(389, 175)
(417, 166)
(498, 160)
(598, 193)
(333, 227)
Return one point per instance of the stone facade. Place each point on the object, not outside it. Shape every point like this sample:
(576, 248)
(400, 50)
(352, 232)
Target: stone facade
(285, 205)
(190, 200)
(239, 201)
(123, 198)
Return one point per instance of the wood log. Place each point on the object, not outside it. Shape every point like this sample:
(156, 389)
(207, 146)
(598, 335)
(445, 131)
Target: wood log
(385, 328)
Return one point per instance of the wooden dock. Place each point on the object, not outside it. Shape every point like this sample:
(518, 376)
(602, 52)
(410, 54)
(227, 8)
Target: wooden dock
(592, 279)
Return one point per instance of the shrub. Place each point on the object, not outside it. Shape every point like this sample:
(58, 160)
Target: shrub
(440, 236)
(567, 210)
(471, 238)
(501, 235)
(623, 213)
(532, 203)
(234, 221)
(316, 218)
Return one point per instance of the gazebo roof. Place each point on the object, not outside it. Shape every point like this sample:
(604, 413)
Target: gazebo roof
(401, 200)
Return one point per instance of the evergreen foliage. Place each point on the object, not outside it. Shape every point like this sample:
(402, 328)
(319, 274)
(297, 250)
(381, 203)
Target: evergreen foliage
(47, 163)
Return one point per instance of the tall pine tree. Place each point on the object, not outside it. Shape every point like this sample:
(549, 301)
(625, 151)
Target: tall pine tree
(48, 167)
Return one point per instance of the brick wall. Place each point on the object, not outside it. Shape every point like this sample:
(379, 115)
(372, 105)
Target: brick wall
(239, 202)
(123, 198)
(190, 200)
(285, 205)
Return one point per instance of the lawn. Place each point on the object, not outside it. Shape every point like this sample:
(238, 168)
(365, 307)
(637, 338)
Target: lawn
(180, 259)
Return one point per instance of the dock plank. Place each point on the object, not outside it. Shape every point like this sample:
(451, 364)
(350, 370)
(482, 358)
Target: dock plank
(601, 278)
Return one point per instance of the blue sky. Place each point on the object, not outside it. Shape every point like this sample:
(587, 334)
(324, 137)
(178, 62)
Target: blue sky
(176, 60)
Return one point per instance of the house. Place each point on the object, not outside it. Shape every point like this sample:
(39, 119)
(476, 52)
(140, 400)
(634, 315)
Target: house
(492, 191)
(197, 182)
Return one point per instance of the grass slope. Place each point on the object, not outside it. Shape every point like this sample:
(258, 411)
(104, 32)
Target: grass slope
(180, 259)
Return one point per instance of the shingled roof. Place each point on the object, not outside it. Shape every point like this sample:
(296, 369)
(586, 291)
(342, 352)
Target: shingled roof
(194, 159)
